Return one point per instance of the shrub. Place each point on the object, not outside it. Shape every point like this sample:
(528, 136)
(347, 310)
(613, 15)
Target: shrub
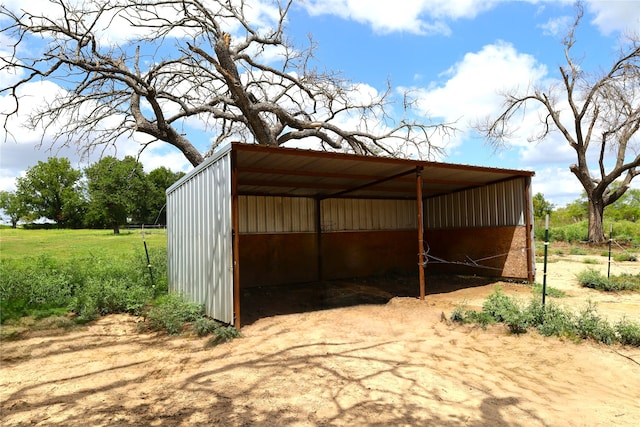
(576, 250)
(589, 324)
(170, 312)
(628, 332)
(556, 322)
(591, 278)
(572, 233)
(627, 232)
(499, 306)
(222, 335)
(550, 320)
(204, 326)
(462, 315)
(34, 284)
(90, 286)
(624, 256)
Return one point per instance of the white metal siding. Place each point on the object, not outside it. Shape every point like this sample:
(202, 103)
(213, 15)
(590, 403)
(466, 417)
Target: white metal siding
(264, 214)
(368, 215)
(199, 232)
(261, 214)
(499, 204)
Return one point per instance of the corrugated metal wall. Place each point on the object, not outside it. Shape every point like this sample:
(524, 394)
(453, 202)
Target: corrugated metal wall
(500, 204)
(495, 205)
(368, 215)
(261, 214)
(199, 232)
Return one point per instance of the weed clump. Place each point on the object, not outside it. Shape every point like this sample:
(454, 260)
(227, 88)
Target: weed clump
(549, 320)
(170, 313)
(89, 286)
(591, 278)
(173, 314)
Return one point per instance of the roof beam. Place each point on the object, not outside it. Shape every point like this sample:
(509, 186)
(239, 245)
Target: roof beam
(370, 184)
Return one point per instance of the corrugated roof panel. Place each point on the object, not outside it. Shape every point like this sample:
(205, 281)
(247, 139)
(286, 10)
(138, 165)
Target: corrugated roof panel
(277, 171)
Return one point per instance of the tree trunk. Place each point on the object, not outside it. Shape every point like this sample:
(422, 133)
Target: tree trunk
(116, 229)
(596, 214)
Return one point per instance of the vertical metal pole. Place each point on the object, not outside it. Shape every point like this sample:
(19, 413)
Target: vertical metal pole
(610, 241)
(235, 224)
(546, 247)
(531, 256)
(420, 230)
(318, 206)
(146, 251)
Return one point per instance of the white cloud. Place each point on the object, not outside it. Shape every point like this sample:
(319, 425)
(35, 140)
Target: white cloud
(474, 85)
(414, 16)
(558, 185)
(557, 27)
(613, 16)
(431, 16)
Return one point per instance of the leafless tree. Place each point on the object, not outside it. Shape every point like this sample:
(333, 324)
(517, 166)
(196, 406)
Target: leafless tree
(597, 114)
(186, 65)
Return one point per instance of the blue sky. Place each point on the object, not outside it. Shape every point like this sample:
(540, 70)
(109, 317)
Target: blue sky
(455, 55)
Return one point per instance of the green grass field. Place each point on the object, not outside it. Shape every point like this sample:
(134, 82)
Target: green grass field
(65, 245)
(65, 277)
(87, 272)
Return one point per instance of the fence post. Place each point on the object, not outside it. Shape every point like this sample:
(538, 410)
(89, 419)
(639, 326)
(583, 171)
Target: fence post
(546, 247)
(610, 240)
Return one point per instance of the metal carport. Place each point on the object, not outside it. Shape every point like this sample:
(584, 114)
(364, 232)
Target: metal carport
(250, 203)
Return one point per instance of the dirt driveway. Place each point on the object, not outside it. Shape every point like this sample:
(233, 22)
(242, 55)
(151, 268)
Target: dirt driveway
(394, 362)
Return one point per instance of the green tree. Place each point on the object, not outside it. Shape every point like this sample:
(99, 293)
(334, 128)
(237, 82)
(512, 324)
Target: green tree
(541, 206)
(52, 190)
(114, 188)
(159, 180)
(626, 207)
(576, 211)
(13, 207)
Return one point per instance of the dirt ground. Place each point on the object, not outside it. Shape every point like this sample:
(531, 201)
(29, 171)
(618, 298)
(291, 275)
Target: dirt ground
(386, 361)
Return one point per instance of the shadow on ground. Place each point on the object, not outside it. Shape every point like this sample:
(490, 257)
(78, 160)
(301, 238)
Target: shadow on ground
(267, 301)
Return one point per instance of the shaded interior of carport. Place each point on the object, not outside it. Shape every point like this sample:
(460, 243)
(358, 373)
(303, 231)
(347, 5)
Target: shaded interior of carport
(304, 216)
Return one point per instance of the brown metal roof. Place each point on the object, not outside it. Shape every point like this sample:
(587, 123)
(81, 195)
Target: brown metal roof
(306, 173)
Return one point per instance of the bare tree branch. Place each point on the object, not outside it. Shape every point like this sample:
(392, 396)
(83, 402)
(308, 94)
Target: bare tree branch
(192, 60)
(607, 105)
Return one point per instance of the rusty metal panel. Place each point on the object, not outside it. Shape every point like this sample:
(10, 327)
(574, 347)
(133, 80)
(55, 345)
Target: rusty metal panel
(368, 215)
(495, 205)
(199, 237)
(275, 214)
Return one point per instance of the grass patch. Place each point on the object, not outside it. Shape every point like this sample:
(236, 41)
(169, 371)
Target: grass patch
(90, 273)
(550, 291)
(173, 314)
(577, 250)
(95, 274)
(549, 320)
(90, 286)
(591, 278)
(624, 256)
(590, 261)
(61, 245)
(170, 313)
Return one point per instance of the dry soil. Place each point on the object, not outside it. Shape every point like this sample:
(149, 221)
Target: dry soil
(395, 361)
